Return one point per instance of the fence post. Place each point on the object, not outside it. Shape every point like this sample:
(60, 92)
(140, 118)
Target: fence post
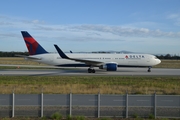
(155, 105)
(70, 104)
(42, 103)
(126, 104)
(13, 98)
(99, 104)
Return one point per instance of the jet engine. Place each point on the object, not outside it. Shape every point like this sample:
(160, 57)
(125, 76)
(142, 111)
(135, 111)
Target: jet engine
(109, 66)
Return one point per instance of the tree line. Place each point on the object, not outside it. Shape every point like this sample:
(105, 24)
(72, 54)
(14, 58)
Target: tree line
(13, 54)
(168, 56)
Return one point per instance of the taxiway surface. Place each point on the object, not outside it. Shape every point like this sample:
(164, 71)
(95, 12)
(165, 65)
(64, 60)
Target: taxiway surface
(83, 71)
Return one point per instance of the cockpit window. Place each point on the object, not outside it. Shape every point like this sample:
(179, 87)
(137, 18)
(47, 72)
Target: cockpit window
(155, 57)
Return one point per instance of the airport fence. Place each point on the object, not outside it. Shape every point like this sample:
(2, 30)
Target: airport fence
(90, 105)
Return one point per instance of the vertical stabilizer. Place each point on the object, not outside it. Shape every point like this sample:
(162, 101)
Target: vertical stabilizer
(33, 46)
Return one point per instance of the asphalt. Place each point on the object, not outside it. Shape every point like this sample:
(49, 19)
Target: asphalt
(83, 71)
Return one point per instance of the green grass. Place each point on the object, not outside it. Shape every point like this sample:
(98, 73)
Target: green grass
(17, 60)
(56, 116)
(90, 84)
(168, 64)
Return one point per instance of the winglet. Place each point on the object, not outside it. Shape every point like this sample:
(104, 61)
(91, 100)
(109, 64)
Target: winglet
(61, 53)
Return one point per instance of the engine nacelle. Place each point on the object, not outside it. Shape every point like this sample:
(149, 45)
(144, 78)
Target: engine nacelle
(109, 67)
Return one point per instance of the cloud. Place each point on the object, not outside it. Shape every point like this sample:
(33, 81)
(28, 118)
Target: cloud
(5, 23)
(175, 18)
(83, 32)
(131, 36)
(115, 30)
(126, 31)
(33, 22)
(5, 35)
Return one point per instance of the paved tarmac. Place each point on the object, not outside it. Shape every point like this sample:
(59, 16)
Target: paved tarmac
(83, 71)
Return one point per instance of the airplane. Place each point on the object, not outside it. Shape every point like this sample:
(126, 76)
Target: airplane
(109, 62)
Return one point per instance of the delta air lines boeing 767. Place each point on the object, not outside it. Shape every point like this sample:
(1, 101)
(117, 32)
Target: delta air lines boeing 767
(109, 62)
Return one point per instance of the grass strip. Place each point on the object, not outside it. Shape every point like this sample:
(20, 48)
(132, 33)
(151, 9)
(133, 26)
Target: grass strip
(90, 84)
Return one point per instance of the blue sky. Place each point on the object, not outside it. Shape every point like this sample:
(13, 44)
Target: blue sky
(148, 26)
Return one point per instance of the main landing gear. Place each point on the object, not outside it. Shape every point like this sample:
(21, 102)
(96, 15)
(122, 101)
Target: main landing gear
(149, 69)
(91, 70)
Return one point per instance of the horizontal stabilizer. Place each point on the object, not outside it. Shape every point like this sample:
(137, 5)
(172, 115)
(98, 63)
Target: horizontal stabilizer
(28, 57)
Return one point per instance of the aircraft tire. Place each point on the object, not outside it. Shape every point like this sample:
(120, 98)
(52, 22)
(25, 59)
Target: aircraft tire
(91, 70)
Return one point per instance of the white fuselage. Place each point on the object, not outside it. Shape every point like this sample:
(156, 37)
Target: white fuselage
(126, 60)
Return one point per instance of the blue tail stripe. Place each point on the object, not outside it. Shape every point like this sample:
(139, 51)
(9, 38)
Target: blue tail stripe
(40, 50)
(25, 34)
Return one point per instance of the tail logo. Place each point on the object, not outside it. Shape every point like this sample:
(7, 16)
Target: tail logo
(32, 47)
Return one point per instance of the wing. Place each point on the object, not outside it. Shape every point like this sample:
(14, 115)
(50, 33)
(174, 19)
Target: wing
(88, 62)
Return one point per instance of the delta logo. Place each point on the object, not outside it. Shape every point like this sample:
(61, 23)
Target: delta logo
(134, 56)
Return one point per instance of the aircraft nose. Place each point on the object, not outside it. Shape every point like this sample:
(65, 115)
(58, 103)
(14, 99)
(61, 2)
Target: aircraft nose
(159, 61)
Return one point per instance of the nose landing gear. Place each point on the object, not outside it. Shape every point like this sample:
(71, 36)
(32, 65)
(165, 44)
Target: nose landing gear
(149, 69)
